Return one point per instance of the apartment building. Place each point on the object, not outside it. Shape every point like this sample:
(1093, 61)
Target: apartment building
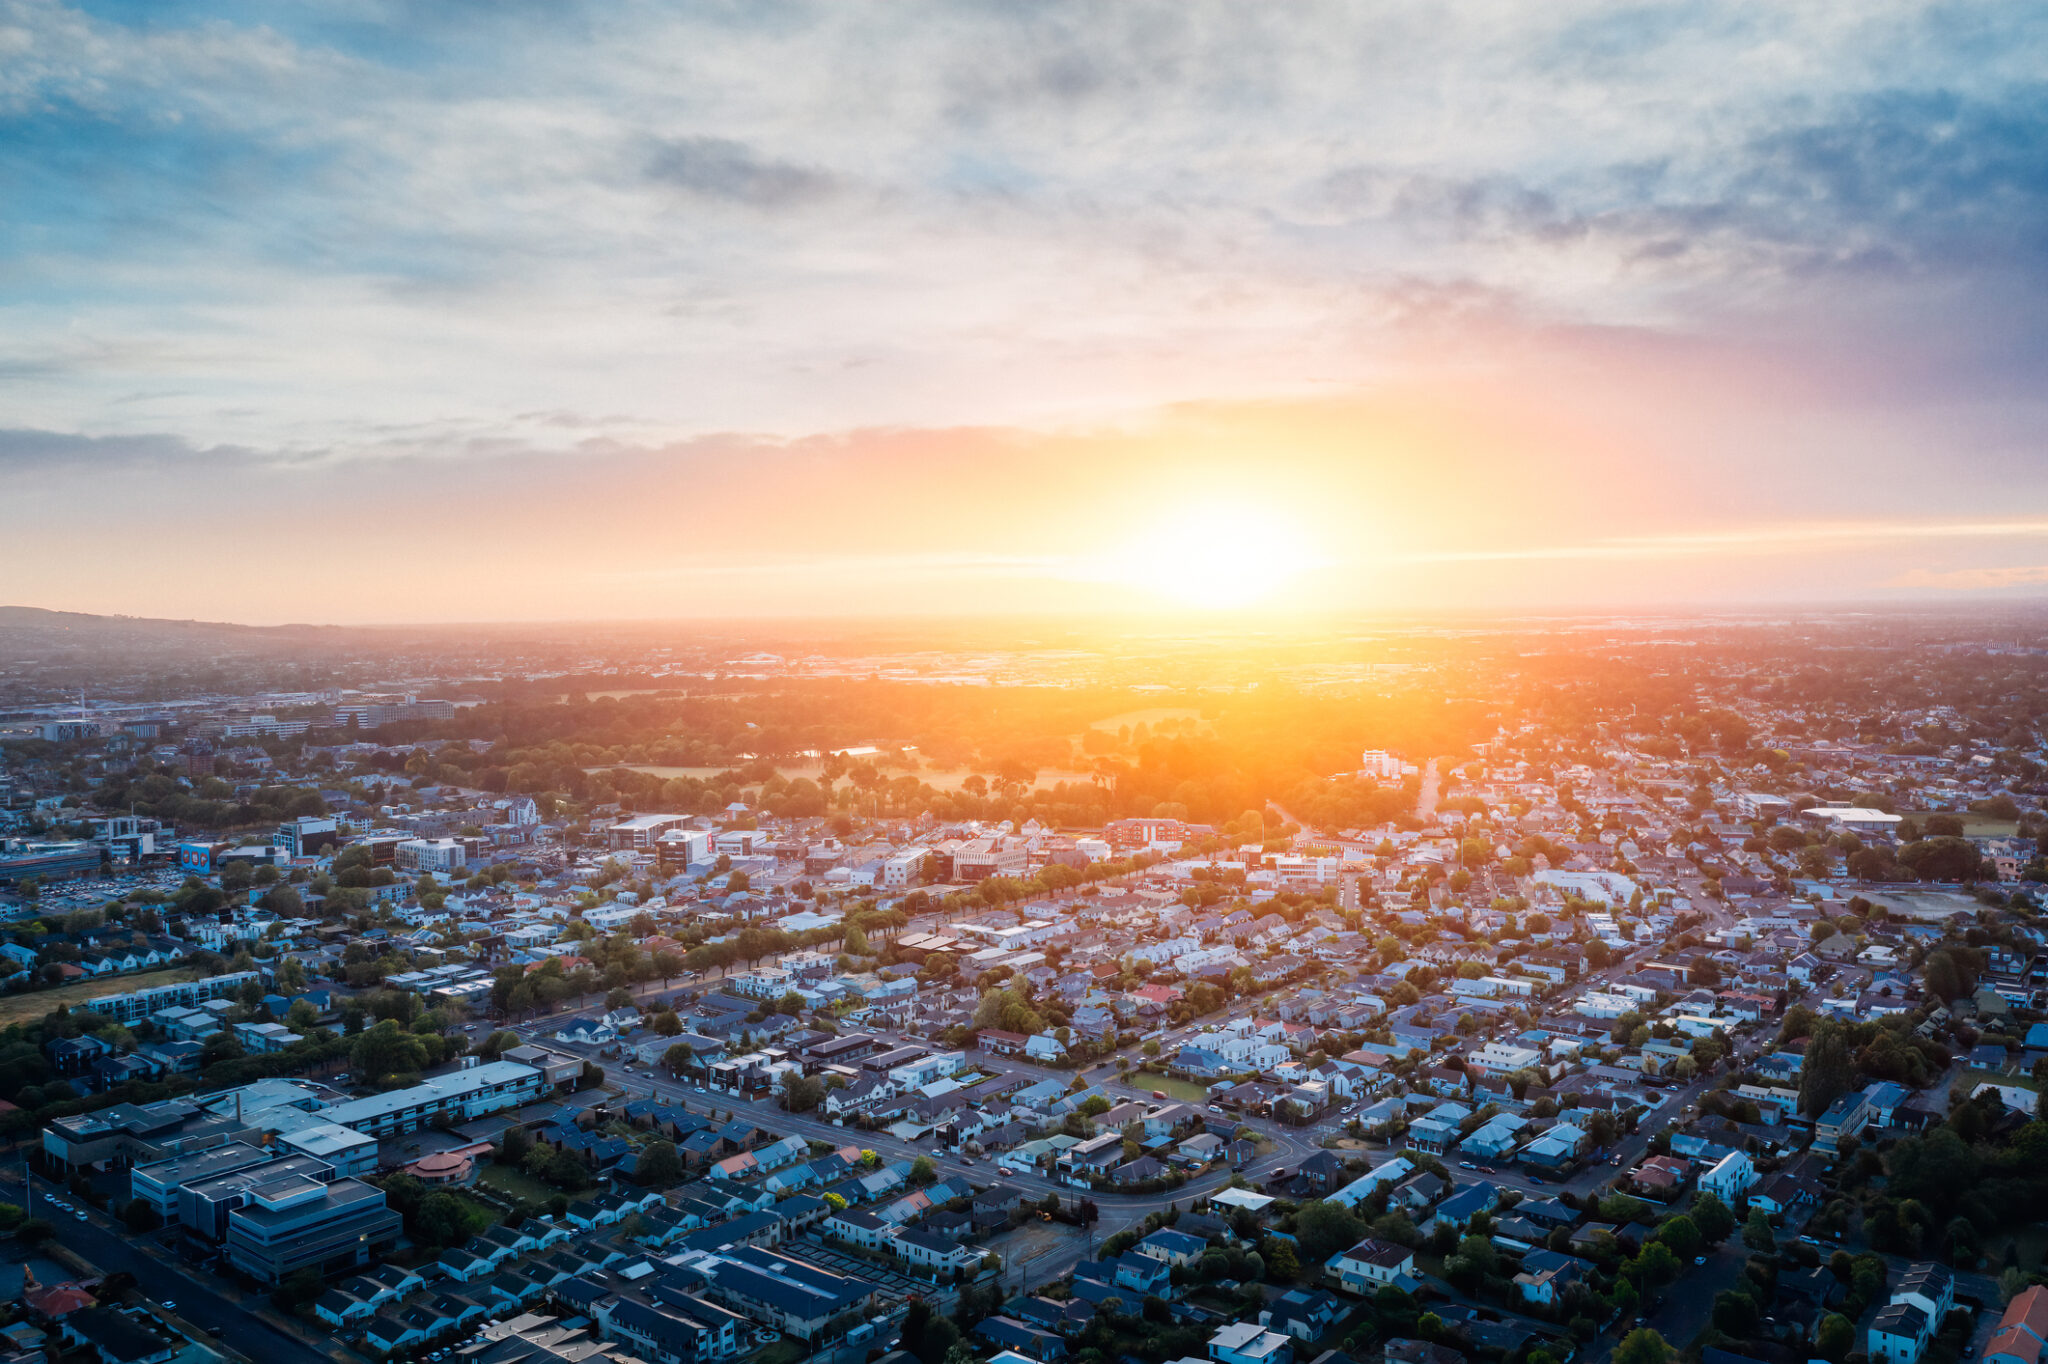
(464, 1095)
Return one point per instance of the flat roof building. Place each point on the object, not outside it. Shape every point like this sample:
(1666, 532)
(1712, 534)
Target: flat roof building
(297, 1222)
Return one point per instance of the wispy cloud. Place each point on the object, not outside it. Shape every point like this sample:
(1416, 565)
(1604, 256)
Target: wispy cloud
(1796, 538)
(1974, 579)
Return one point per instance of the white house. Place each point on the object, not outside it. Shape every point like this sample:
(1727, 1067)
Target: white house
(1898, 1335)
(1370, 1263)
(1045, 1047)
(1731, 1178)
(1247, 1342)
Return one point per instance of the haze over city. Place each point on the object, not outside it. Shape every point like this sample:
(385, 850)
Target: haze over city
(1023, 682)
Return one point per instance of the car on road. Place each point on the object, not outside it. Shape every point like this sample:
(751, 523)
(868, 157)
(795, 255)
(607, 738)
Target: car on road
(1466, 1165)
(1698, 1260)
(80, 1214)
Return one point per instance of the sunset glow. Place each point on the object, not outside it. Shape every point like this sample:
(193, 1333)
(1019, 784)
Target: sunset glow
(1214, 557)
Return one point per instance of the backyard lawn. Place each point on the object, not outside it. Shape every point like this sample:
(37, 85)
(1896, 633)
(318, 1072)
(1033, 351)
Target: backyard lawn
(515, 1184)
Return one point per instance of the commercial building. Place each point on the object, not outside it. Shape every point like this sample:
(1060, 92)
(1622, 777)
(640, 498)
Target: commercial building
(296, 1222)
(136, 1134)
(204, 1206)
(460, 1096)
(159, 1182)
(438, 855)
(305, 837)
(641, 832)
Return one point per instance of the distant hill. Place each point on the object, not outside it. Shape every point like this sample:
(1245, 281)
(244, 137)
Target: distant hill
(36, 618)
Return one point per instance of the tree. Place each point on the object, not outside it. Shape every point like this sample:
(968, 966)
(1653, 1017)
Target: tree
(565, 1169)
(497, 1044)
(443, 1219)
(1835, 1338)
(1949, 974)
(923, 1171)
(1943, 859)
(1324, 1228)
(1008, 1011)
(1711, 1216)
(1757, 1234)
(1642, 1346)
(1828, 1071)
(1621, 1207)
(1682, 1235)
(1736, 1314)
(298, 1289)
(658, 1166)
(801, 1093)
(680, 1057)
(926, 1334)
(1654, 1265)
(387, 1049)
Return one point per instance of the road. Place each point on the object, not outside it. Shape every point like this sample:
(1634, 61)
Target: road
(1425, 800)
(160, 1278)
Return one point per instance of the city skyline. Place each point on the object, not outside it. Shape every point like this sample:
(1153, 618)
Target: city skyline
(399, 313)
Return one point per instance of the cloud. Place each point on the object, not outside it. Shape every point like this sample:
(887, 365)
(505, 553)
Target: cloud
(1796, 538)
(1528, 273)
(28, 451)
(719, 168)
(1974, 579)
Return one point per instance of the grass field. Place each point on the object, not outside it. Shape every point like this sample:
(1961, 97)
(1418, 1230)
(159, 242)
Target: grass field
(1924, 904)
(783, 1351)
(2022, 1080)
(514, 1184)
(1149, 717)
(1187, 1091)
(31, 1005)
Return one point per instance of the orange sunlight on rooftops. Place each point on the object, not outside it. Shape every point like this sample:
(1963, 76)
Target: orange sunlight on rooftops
(1214, 556)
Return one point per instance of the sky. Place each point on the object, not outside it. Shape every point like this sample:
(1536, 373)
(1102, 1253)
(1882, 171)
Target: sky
(363, 312)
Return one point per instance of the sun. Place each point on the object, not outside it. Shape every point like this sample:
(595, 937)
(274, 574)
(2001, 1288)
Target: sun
(1215, 556)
